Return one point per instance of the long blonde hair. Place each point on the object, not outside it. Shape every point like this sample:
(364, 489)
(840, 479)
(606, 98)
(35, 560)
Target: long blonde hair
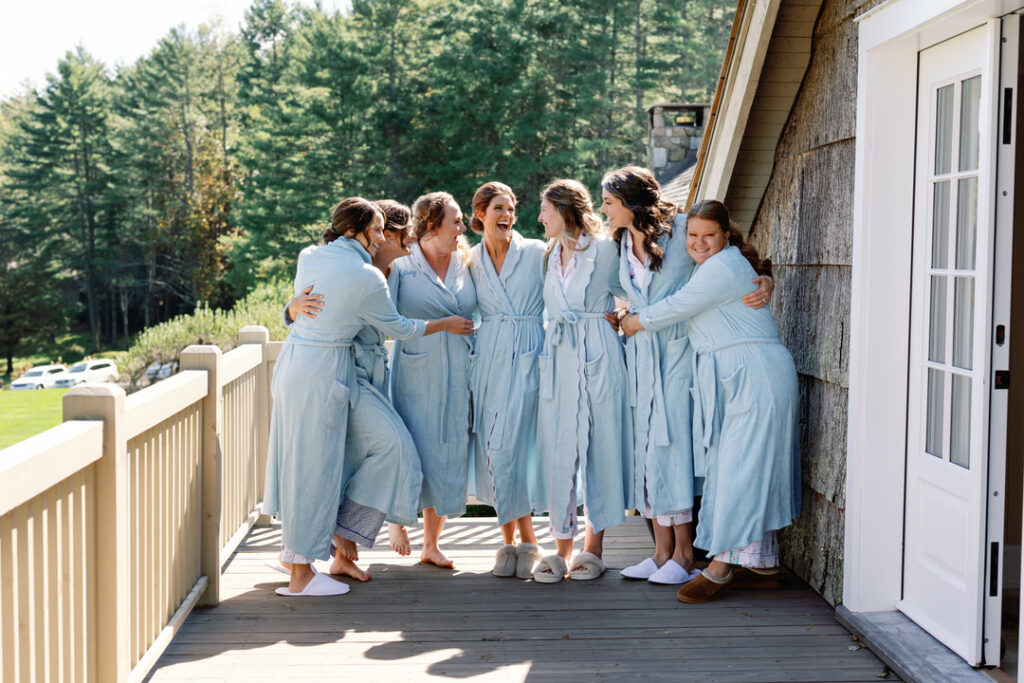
(576, 208)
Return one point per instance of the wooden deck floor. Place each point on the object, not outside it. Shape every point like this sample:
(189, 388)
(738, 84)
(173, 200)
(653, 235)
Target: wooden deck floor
(414, 622)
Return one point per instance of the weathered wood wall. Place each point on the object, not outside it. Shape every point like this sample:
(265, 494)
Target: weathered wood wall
(805, 225)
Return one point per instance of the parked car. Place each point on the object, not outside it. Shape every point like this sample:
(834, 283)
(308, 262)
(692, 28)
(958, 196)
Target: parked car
(101, 370)
(40, 377)
(158, 371)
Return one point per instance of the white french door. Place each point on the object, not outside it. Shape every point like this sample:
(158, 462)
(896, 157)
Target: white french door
(948, 429)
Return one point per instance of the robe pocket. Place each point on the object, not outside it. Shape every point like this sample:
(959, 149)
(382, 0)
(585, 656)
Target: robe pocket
(736, 393)
(413, 371)
(675, 352)
(596, 379)
(335, 411)
(546, 376)
(526, 371)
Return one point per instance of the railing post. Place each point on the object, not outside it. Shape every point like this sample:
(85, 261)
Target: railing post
(258, 334)
(207, 357)
(113, 614)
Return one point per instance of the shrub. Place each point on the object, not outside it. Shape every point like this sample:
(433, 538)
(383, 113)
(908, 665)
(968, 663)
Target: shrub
(164, 342)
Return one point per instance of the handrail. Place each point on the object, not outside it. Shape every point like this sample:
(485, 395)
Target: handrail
(42, 461)
(239, 361)
(154, 404)
(147, 495)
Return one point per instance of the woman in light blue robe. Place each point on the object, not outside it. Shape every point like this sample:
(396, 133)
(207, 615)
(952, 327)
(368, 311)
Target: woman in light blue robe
(659, 369)
(584, 422)
(319, 482)
(745, 402)
(507, 270)
(430, 378)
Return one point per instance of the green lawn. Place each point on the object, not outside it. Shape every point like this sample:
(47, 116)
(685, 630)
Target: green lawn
(25, 413)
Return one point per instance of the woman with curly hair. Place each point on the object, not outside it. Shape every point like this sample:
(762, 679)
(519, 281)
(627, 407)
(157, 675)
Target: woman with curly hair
(654, 264)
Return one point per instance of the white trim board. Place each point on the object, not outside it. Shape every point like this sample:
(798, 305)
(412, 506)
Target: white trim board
(890, 38)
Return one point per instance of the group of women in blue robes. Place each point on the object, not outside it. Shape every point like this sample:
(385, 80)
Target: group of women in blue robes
(547, 407)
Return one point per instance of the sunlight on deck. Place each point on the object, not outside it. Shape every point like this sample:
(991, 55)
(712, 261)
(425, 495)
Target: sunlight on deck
(415, 622)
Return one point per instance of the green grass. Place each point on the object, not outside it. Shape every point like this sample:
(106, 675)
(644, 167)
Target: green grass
(26, 413)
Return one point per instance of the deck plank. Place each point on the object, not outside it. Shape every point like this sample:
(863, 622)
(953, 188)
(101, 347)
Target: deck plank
(416, 622)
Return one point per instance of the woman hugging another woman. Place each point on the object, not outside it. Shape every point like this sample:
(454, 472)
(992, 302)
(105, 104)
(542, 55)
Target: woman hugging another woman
(340, 460)
(746, 406)
(653, 265)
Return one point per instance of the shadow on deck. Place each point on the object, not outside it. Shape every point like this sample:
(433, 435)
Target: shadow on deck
(414, 622)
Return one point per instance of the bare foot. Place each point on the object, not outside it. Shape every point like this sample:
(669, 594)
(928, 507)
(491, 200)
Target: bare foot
(346, 548)
(399, 539)
(343, 566)
(435, 557)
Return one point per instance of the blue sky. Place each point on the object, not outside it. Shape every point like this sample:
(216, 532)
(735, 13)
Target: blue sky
(34, 34)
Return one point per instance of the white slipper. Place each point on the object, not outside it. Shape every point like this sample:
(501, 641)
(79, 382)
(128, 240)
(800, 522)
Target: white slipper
(551, 569)
(320, 585)
(505, 561)
(527, 555)
(278, 567)
(586, 567)
(640, 572)
(672, 574)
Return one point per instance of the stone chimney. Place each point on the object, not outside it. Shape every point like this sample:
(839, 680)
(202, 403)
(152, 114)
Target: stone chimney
(674, 133)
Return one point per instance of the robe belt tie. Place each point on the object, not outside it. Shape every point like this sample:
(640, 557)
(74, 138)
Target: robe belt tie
(496, 438)
(350, 367)
(705, 395)
(563, 325)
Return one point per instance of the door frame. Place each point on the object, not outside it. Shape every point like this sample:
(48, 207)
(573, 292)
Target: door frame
(890, 38)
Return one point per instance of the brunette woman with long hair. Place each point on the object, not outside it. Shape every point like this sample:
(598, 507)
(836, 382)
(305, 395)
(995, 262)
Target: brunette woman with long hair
(654, 264)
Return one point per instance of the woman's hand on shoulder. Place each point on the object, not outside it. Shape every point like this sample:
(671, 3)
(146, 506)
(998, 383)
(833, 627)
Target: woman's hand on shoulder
(763, 294)
(307, 304)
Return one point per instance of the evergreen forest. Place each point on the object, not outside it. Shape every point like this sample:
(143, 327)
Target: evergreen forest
(185, 179)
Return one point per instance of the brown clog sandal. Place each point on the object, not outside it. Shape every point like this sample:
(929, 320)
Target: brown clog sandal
(704, 588)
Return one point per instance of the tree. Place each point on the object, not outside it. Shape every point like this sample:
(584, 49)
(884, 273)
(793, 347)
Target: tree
(62, 166)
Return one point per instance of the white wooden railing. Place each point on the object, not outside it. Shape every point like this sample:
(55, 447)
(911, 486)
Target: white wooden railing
(116, 523)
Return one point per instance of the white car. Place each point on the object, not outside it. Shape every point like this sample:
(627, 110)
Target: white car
(89, 371)
(40, 377)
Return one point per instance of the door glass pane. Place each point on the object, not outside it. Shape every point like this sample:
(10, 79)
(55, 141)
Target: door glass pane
(966, 222)
(943, 129)
(937, 320)
(940, 225)
(970, 134)
(960, 428)
(933, 438)
(963, 322)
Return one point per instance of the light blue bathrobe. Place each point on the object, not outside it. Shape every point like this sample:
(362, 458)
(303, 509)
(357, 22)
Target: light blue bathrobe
(660, 370)
(316, 390)
(584, 421)
(745, 403)
(430, 377)
(503, 376)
